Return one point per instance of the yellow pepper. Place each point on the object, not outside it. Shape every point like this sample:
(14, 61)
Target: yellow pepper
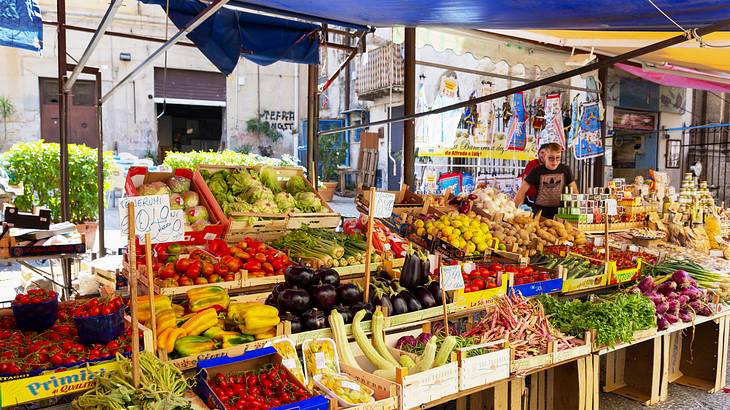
(190, 345)
(165, 319)
(201, 322)
(265, 335)
(207, 297)
(162, 302)
(216, 333)
(178, 309)
(257, 319)
(237, 309)
(166, 339)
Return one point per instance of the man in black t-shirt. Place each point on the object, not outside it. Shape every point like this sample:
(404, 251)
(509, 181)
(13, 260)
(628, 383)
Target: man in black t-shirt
(550, 180)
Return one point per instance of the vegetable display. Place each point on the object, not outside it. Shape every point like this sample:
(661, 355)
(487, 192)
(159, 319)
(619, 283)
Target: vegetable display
(467, 232)
(241, 192)
(615, 318)
(676, 297)
(530, 234)
(322, 247)
(575, 266)
(266, 387)
(181, 197)
(706, 279)
(161, 387)
(418, 291)
(524, 325)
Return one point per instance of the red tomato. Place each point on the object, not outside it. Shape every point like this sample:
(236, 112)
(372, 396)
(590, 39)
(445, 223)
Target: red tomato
(182, 265)
(479, 283)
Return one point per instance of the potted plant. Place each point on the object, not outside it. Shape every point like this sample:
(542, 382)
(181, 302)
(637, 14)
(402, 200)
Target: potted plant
(37, 166)
(326, 189)
(332, 152)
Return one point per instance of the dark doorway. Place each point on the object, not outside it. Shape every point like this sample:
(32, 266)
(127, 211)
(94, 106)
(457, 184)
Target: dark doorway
(188, 127)
(83, 124)
(395, 168)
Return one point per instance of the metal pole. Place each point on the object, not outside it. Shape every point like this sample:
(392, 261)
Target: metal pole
(118, 34)
(548, 80)
(100, 166)
(192, 25)
(312, 121)
(62, 108)
(599, 164)
(409, 101)
(95, 39)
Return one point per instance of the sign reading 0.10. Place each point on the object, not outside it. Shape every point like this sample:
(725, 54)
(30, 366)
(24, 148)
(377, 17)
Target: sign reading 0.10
(152, 214)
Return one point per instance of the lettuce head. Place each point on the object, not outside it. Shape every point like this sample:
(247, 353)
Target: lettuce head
(267, 176)
(296, 184)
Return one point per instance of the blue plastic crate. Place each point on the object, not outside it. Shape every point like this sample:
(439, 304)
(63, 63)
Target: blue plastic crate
(538, 288)
(248, 361)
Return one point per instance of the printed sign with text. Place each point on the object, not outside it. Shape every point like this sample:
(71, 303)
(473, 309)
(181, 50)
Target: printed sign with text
(152, 214)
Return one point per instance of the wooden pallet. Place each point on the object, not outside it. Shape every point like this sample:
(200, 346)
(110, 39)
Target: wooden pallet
(635, 371)
(369, 167)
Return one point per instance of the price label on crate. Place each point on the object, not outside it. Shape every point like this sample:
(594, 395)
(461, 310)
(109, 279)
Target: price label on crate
(611, 207)
(152, 214)
(451, 278)
(383, 204)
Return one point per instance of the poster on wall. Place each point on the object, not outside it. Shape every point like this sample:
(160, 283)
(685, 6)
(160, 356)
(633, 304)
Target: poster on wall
(589, 143)
(672, 99)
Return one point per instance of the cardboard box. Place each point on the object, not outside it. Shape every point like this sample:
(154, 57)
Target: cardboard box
(252, 360)
(468, 300)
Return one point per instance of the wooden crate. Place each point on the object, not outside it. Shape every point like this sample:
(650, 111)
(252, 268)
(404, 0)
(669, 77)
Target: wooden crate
(698, 357)
(235, 231)
(569, 386)
(483, 369)
(181, 290)
(583, 348)
(635, 371)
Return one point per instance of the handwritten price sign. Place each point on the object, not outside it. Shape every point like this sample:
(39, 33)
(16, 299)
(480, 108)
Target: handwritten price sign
(451, 278)
(154, 216)
(383, 204)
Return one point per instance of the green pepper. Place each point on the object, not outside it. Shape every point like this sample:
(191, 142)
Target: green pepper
(233, 340)
(190, 345)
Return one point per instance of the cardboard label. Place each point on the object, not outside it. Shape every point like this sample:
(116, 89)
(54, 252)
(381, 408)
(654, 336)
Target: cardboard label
(152, 214)
(451, 278)
(611, 207)
(51, 384)
(383, 204)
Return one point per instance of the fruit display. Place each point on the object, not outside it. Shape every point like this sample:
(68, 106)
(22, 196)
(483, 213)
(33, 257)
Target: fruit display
(494, 202)
(483, 276)
(324, 248)
(241, 192)
(260, 260)
(468, 232)
(198, 267)
(182, 197)
(34, 296)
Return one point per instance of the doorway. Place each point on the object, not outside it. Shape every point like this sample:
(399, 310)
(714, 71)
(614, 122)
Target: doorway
(83, 123)
(634, 143)
(184, 127)
(395, 160)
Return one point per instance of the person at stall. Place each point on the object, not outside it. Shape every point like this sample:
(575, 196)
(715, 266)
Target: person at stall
(550, 180)
(532, 192)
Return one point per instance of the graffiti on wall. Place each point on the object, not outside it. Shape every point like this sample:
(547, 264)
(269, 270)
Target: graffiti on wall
(279, 120)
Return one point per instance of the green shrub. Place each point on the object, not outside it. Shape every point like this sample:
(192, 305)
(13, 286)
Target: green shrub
(37, 166)
(193, 159)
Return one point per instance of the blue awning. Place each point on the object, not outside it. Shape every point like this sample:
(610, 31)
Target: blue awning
(229, 34)
(632, 15)
(21, 25)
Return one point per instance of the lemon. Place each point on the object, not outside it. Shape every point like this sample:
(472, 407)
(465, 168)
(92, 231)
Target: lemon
(462, 242)
(447, 230)
(468, 235)
(419, 223)
(457, 232)
(432, 231)
(488, 236)
(484, 228)
(482, 246)
(420, 231)
(455, 243)
(501, 247)
(470, 248)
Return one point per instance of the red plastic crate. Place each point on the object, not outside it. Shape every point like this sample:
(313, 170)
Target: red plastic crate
(141, 175)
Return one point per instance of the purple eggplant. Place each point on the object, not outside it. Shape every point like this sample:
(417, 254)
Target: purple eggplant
(360, 306)
(301, 276)
(323, 296)
(425, 297)
(435, 288)
(412, 303)
(296, 321)
(383, 300)
(349, 294)
(399, 305)
(294, 300)
(345, 312)
(328, 276)
(314, 319)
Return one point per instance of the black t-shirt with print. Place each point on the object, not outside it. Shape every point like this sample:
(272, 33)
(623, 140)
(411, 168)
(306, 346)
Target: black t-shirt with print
(549, 185)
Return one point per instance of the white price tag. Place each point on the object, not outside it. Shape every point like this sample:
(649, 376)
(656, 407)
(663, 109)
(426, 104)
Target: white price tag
(350, 385)
(152, 214)
(451, 278)
(320, 360)
(611, 207)
(383, 204)
(289, 363)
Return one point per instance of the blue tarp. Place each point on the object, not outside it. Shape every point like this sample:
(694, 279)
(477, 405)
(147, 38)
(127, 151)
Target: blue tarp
(21, 25)
(229, 34)
(633, 15)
